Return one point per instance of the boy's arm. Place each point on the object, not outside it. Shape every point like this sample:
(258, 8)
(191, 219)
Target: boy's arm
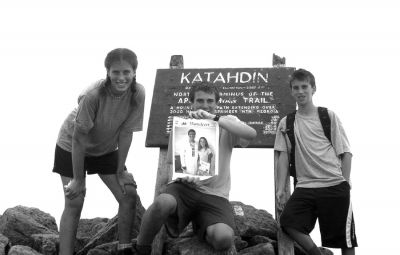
(124, 143)
(236, 127)
(230, 123)
(282, 174)
(346, 165)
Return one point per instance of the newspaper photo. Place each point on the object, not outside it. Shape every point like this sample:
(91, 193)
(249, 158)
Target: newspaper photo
(195, 148)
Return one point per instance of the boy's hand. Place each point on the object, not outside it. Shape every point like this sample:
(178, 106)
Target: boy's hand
(279, 197)
(201, 114)
(195, 181)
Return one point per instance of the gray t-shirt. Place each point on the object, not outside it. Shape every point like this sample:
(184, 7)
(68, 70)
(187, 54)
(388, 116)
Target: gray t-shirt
(103, 116)
(317, 160)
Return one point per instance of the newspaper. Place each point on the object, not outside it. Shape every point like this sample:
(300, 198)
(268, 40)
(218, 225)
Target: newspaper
(195, 148)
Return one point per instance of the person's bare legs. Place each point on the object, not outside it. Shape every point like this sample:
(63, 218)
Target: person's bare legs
(220, 236)
(127, 207)
(154, 218)
(304, 241)
(69, 221)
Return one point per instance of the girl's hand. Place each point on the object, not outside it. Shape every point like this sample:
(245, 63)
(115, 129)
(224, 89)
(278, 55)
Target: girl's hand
(75, 188)
(125, 178)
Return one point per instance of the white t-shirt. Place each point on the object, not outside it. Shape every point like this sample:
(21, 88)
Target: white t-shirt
(317, 160)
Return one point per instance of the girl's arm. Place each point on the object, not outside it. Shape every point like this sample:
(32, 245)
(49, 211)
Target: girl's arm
(77, 184)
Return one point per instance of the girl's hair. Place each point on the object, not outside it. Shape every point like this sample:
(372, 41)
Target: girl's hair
(205, 145)
(127, 55)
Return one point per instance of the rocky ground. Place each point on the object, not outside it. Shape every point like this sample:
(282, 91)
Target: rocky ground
(30, 231)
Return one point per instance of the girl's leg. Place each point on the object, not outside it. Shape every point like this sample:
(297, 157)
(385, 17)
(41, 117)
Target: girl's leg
(127, 207)
(69, 221)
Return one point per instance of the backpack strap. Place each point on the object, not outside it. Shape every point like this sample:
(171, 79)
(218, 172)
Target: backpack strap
(325, 122)
(290, 118)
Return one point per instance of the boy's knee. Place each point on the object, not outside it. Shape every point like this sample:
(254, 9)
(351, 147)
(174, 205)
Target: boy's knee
(220, 236)
(164, 204)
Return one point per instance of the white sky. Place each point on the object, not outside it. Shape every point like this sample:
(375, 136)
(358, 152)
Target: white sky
(51, 50)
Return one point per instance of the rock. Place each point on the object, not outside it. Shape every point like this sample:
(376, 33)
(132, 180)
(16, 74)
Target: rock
(104, 249)
(47, 244)
(4, 245)
(250, 221)
(108, 233)
(96, 251)
(239, 243)
(260, 249)
(298, 250)
(192, 246)
(255, 240)
(20, 223)
(87, 229)
(22, 250)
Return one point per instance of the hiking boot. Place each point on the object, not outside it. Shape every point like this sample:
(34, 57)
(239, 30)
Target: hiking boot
(126, 251)
(141, 249)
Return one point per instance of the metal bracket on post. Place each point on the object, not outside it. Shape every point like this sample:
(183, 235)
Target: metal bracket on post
(164, 171)
(278, 61)
(176, 62)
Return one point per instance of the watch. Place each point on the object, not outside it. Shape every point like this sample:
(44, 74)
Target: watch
(216, 118)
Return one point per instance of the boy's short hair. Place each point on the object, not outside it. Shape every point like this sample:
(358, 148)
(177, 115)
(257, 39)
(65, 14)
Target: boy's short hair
(303, 75)
(192, 130)
(205, 87)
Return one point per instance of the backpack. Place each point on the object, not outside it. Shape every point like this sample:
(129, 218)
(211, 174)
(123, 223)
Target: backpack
(326, 126)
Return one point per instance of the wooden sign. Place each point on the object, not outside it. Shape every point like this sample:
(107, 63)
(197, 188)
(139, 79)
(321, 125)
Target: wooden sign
(258, 96)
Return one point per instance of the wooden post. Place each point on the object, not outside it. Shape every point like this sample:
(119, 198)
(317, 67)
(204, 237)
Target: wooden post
(164, 172)
(285, 243)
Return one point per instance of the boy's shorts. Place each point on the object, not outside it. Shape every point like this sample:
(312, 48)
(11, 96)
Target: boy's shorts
(105, 164)
(332, 207)
(202, 209)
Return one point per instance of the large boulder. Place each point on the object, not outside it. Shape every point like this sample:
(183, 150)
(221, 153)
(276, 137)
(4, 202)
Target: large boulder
(4, 245)
(22, 250)
(20, 223)
(251, 221)
(109, 232)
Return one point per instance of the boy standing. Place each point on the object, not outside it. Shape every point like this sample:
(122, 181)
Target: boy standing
(205, 202)
(322, 168)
